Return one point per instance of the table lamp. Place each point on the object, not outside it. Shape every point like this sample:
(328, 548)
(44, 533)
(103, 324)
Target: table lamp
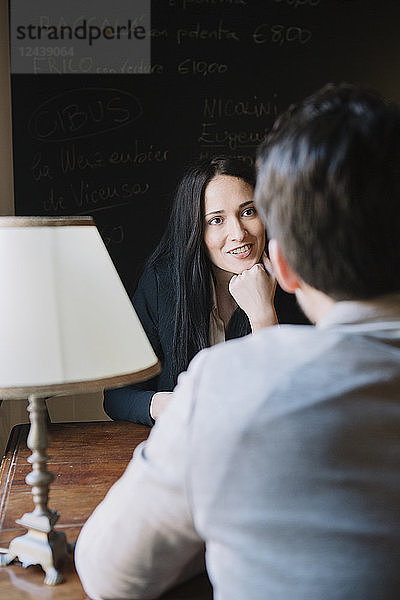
(66, 326)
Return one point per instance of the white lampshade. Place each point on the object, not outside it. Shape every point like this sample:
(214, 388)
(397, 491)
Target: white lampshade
(66, 321)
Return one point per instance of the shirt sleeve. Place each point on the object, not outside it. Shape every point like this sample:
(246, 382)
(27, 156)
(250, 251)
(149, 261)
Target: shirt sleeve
(141, 539)
(132, 403)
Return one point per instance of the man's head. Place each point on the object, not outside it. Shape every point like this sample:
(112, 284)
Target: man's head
(328, 190)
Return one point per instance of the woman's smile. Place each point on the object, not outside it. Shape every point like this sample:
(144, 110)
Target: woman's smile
(241, 251)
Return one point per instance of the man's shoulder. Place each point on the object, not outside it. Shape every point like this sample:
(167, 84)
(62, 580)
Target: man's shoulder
(254, 360)
(281, 360)
(244, 386)
(276, 340)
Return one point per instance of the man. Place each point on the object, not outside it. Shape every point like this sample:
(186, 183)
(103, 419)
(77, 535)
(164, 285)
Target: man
(281, 451)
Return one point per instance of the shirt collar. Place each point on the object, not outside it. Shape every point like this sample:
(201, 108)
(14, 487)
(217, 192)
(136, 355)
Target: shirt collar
(382, 308)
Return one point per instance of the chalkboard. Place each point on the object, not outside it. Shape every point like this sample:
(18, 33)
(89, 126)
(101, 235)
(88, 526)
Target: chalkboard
(114, 145)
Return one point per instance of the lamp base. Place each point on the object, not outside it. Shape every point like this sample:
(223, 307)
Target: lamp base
(39, 546)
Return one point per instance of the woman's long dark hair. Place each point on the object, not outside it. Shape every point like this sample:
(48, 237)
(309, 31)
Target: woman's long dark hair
(183, 243)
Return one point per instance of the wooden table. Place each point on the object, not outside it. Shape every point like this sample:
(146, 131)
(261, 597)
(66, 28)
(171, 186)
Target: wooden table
(86, 459)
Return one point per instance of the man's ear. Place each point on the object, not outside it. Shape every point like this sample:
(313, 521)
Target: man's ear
(287, 278)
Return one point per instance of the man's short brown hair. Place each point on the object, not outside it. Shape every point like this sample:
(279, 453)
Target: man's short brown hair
(328, 188)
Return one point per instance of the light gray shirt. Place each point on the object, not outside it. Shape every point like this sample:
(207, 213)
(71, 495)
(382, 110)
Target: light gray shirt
(281, 452)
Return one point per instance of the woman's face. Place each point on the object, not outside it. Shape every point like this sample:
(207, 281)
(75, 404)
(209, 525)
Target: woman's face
(234, 234)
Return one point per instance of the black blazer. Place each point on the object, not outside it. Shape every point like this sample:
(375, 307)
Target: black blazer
(154, 302)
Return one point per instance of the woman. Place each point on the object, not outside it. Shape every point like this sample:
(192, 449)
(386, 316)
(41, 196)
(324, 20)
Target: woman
(205, 282)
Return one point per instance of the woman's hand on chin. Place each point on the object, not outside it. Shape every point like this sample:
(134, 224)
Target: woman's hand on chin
(254, 291)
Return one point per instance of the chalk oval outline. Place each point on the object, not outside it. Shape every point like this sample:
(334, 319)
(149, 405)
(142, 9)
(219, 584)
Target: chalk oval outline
(136, 115)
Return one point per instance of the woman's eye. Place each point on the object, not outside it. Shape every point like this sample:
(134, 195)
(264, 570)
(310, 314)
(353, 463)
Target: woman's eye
(215, 221)
(249, 212)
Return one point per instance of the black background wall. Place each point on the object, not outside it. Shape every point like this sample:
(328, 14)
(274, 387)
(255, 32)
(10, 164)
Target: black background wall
(114, 145)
